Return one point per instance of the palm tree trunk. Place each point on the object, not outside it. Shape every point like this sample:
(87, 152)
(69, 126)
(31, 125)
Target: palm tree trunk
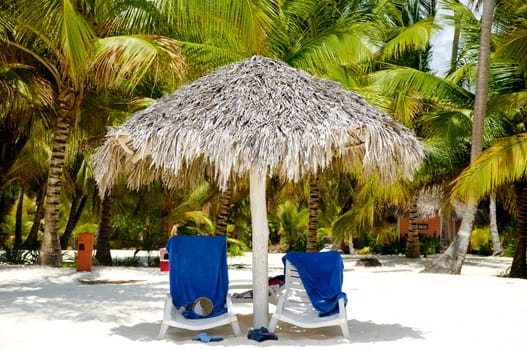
(50, 252)
(166, 226)
(31, 241)
(455, 46)
(77, 205)
(519, 262)
(103, 253)
(314, 201)
(18, 223)
(496, 245)
(446, 216)
(412, 240)
(223, 212)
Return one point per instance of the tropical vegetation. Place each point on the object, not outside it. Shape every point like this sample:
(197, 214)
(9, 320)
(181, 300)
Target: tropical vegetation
(85, 65)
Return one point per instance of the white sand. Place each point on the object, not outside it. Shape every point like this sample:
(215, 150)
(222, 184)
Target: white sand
(390, 307)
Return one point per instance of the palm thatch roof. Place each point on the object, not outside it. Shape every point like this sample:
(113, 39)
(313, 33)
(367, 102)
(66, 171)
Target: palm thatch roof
(258, 113)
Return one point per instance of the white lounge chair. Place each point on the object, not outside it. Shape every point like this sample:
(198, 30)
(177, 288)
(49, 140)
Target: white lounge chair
(198, 269)
(295, 306)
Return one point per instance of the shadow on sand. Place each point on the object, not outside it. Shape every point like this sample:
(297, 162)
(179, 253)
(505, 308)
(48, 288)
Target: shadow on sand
(361, 332)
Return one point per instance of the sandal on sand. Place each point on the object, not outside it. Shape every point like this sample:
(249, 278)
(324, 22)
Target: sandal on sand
(261, 334)
(204, 338)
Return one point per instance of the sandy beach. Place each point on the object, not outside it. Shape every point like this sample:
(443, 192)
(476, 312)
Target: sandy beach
(392, 306)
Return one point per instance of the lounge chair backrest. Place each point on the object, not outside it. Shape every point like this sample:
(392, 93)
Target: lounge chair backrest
(295, 295)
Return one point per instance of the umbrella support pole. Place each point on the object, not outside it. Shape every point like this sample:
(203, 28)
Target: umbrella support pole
(260, 239)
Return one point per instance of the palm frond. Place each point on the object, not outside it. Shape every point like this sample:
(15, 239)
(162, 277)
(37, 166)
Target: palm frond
(514, 46)
(503, 163)
(415, 37)
(125, 60)
(452, 125)
(78, 40)
(512, 103)
(411, 87)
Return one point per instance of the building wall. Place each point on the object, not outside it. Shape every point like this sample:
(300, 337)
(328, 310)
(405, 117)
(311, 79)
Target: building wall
(430, 227)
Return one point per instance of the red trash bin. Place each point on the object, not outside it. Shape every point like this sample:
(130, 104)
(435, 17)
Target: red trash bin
(163, 260)
(84, 251)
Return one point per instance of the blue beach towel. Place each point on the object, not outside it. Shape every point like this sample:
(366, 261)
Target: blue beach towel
(322, 274)
(198, 268)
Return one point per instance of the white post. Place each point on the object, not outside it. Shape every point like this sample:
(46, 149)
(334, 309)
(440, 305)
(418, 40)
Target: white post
(260, 238)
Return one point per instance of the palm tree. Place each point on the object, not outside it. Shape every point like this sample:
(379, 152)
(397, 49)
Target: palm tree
(31, 168)
(503, 164)
(292, 223)
(452, 260)
(25, 95)
(65, 43)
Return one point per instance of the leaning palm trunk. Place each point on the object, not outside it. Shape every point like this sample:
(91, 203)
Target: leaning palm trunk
(452, 260)
(50, 252)
(77, 206)
(519, 262)
(31, 241)
(314, 200)
(412, 241)
(18, 223)
(496, 245)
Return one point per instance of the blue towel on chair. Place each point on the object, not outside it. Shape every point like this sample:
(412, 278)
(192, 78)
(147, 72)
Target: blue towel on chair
(198, 268)
(322, 274)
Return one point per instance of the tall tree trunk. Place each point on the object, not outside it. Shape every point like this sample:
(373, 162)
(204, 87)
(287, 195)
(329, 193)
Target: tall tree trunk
(165, 223)
(519, 262)
(50, 252)
(412, 240)
(223, 212)
(103, 253)
(351, 247)
(77, 206)
(31, 241)
(446, 216)
(497, 249)
(455, 46)
(18, 223)
(452, 260)
(314, 201)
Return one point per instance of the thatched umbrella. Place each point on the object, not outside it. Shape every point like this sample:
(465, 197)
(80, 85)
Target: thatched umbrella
(255, 117)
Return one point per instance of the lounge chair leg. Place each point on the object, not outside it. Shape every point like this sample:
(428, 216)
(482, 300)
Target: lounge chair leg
(272, 324)
(345, 330)
(236, 328)
(163, 330)
(343, 319)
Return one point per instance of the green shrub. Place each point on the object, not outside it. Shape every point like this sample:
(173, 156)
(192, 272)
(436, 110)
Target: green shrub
(429, 245)
(134, 261)
(19, 256)
(481, 241)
